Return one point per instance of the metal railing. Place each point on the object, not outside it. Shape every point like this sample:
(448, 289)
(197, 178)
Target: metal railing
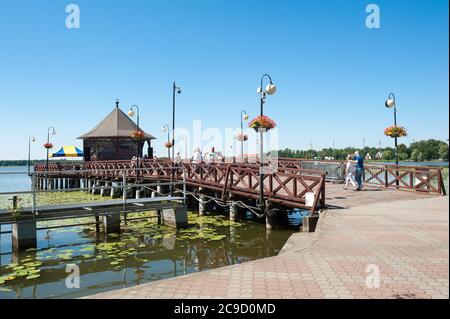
(125, 174)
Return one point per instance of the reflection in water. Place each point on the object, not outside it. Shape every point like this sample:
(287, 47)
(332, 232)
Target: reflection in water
(143, 252)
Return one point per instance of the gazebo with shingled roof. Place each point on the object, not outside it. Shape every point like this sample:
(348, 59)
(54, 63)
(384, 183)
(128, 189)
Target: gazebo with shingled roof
(112, 139)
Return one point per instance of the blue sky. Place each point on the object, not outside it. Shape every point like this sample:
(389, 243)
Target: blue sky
(333, 74)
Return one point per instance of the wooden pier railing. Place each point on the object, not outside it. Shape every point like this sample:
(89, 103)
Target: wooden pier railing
(287, 186)
(415, 178)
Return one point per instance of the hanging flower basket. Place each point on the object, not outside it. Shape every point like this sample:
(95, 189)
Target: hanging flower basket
(241, 137)
(262, 122)
(169, 144)
(48, 145)
(395, 131)
(137, 134)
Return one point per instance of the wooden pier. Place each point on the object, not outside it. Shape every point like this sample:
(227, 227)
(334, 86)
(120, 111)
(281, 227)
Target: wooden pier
(162, 185)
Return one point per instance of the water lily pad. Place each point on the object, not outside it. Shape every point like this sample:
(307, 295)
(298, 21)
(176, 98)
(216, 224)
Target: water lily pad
(114, 263)
(18, 267)
(113, 235)
(34, 271)
(34, 276)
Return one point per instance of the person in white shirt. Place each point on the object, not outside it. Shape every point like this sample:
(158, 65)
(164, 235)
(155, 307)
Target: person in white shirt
(197, 155)
(211, 155)
(349, 173)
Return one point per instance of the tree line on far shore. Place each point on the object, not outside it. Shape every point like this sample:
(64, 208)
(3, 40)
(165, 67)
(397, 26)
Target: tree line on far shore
(427, 150)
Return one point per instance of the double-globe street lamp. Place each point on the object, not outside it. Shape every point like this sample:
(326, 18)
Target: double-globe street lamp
(244, 117)
(175, 90)
(270, 90)
(31, 139)
(390, 103)
(131, 113)
(50, 130)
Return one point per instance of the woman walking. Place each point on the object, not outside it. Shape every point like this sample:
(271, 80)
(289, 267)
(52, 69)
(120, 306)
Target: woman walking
(349, 172)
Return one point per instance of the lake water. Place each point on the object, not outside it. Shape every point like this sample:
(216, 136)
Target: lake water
(16, 182)
(435, 164)
(142, 252)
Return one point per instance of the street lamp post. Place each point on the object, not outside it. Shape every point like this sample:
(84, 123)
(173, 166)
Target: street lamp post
(53, 132)
(166, 129)
(244, 117)
(390, 103)
(131, 113)
(175, 89)
(31, 138)
(270, 89)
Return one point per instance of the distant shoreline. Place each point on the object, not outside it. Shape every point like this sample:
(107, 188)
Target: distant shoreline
(7, 163)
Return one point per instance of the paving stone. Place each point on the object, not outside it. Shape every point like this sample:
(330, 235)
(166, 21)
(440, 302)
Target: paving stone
(407, 240)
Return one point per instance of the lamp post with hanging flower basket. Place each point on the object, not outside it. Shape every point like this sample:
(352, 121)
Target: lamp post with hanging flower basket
(166, 129)
(51, 130)
(394, 131)
(262, 124)
(137, 134)
(242, 137)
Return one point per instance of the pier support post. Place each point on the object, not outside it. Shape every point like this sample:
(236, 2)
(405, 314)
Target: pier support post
(269, 223)
(24, 235)
(111, 223)
(138, 193)
(202, 205)
(97, 224)
(234, 210)
(103, 190)
(112, 192)
(175, 217)
(96, 191)
(309, 223)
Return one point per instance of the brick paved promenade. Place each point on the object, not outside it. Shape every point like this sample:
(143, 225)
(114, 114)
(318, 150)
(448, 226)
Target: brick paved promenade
(406, 241)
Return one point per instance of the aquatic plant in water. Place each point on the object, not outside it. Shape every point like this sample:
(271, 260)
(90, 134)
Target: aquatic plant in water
(134, 240)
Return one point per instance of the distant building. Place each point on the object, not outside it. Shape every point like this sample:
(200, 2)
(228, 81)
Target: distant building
(368, 157)
(112, 139)
(379, 155)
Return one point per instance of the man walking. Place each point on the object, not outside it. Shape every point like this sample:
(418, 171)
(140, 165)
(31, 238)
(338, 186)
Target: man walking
(359, 170)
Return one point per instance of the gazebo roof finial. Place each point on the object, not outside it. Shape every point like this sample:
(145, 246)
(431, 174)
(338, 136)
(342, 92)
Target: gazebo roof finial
(117, 103)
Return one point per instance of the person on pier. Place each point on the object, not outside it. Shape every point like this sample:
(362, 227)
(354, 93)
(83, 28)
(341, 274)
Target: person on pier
(350, 172)
(359, 170)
